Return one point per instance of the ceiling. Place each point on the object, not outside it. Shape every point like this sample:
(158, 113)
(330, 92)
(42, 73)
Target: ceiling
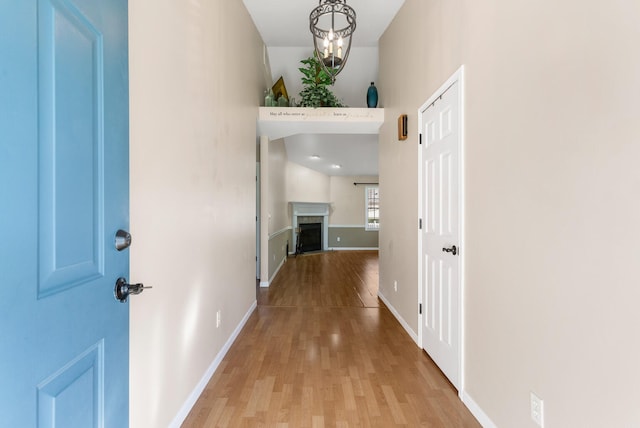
(285, 23)
(336, 154)
(284, 28)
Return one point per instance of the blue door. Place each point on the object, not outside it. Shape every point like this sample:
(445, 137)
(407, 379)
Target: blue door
(64, 339)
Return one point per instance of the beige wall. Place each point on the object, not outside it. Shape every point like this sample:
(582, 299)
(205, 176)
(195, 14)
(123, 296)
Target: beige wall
(289, 182)
(194, 96)
(306, 185)
(278, 251)
(348, 201)
(278, 216)
(278, 203)
(551, 196)
(285, 182)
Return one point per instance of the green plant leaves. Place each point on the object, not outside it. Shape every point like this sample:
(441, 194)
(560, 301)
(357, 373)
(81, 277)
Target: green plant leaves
(315, 80)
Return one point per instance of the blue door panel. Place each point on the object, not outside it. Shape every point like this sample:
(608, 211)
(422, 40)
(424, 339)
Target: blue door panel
(63, 195)
(73, 396)
(71, 193)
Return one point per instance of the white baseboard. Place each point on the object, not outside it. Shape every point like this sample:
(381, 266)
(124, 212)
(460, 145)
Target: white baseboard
(466, 399)
(195, 394)
(401, 320)
(473, 407)
(275, 272)
(265, 284)
(477, 412)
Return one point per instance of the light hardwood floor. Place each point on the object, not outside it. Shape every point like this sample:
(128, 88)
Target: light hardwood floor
(322, 351)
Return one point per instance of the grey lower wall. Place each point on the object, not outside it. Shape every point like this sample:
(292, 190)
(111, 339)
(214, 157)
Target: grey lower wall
(352, 237)
(278, 250)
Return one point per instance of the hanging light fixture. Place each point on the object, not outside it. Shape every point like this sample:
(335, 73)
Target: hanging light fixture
(332, 24)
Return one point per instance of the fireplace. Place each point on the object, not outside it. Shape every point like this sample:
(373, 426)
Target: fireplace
(310, 237)
(315, 217)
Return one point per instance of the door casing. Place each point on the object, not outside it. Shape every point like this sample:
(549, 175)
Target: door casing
(456, 77)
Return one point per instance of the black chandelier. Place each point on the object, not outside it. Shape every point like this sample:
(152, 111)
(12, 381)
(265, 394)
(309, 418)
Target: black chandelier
(332, 23)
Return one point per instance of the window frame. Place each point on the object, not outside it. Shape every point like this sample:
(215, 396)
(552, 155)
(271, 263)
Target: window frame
(367, 224)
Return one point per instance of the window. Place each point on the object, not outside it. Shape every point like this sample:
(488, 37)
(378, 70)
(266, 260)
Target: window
(372, 208)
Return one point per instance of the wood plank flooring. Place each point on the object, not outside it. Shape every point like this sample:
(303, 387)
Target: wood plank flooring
(322, 351)
(345, 278)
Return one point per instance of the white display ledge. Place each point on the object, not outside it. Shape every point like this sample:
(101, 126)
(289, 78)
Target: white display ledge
(280, 122)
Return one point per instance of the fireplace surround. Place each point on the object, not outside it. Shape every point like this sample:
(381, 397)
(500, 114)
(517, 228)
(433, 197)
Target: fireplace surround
(310, 212)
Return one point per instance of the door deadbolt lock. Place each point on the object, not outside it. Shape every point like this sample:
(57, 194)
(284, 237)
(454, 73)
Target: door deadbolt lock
(123, 290)
(123, 240)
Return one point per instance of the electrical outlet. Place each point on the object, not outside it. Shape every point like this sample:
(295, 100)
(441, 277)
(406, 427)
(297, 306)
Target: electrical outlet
(537, 410)
(395, 285)
(338, 239)
(218, 319)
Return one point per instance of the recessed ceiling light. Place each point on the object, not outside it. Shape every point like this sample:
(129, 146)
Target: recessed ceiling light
(336, 166)
(315, 157)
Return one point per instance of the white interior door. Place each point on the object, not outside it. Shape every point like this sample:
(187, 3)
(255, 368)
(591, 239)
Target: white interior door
(440, 233)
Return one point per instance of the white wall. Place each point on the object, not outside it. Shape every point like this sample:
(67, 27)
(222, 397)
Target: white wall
(551, 196)
(194, 97)
(352, 83)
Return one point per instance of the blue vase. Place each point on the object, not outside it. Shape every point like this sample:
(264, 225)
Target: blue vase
(372, 96)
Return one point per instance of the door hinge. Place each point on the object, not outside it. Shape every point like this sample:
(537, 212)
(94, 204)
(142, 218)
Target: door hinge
(420, 223)
(420, 138)
(420, 308)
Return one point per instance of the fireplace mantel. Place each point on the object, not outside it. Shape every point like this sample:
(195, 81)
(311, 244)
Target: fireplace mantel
(311, 209)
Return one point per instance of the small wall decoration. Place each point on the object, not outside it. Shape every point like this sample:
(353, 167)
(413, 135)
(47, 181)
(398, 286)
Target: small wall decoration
(402, 127)
(279, 90)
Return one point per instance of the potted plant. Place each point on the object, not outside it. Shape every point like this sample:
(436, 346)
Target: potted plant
(316, 81)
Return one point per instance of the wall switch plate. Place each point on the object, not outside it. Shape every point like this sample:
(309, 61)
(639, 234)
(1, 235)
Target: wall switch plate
(218, 319)
(537, 410)
(395, 285)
